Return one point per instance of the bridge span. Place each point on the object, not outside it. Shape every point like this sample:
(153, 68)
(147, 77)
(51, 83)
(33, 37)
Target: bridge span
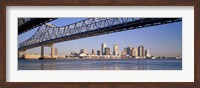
(47, 35)
(26, 24)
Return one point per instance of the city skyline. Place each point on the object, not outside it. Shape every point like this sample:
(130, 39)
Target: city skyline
(162, 40)
(134, 52)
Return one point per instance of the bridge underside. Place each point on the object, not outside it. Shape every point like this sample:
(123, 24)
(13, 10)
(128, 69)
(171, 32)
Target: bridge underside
(34, 22)
(106, 30)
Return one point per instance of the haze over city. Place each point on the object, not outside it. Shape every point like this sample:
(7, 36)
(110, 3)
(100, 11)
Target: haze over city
(161, 40)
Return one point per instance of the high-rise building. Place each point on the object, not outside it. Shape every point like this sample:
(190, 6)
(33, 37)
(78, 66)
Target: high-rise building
(134, 52)
(129, 50)
(98, 52)
(107, 51)
(141, 52)
(115, 49)
(103, 46)
(125, 51)
(83, 51)
(147, 53)
(93, 52)
(56, 51)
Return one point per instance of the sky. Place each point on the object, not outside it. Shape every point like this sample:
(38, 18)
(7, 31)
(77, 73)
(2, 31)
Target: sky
(161, 40)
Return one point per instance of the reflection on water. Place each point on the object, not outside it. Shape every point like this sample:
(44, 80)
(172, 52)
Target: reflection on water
(120, 64)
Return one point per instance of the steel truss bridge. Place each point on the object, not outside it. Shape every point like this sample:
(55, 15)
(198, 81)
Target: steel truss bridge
(49, 34)
(26, 24)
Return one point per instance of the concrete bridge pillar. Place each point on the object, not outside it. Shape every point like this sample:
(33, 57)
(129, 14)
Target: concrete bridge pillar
(22, 54)
(42, 51)
(52, 51)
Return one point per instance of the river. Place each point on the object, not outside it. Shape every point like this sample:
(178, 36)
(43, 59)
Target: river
(101, 64)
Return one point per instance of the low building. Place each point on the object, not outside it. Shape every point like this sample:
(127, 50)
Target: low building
(32, 56)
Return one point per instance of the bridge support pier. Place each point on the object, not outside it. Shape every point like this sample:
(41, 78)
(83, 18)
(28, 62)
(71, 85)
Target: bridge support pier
(42, 52)
(52, 51)
(22, 54)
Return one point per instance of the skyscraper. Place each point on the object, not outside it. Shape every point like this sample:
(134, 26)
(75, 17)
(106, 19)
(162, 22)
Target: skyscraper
(147, 53)
(107, 51)
(129, 50)
(115, 49)
(134, 52)
(98, 52)
(103, 46)
(93, 52)
(141, 51)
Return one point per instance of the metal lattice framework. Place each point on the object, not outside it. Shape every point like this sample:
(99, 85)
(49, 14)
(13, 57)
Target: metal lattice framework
(48, 34)
(22, 21)
(26, 24)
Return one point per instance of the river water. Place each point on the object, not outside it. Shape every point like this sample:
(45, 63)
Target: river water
(100, 64)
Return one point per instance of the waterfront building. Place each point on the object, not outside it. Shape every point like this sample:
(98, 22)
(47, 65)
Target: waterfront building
(129, 50)
(98, 52)
(115, 49)
(125, 51)
(93, 52)
(141, 51)
(103, 46)
(32, 56)
(73, 53)
(134, 52)
(82, 51)
(107, 51)
(82, 55)
(147, 53)
(123, 55)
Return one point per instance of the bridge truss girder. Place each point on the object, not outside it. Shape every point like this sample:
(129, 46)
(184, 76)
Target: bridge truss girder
(89, 27)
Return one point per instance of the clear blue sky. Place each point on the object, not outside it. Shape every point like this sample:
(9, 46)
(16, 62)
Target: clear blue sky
(162, 40)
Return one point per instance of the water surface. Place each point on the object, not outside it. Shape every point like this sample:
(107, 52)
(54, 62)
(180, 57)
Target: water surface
(100, 64)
